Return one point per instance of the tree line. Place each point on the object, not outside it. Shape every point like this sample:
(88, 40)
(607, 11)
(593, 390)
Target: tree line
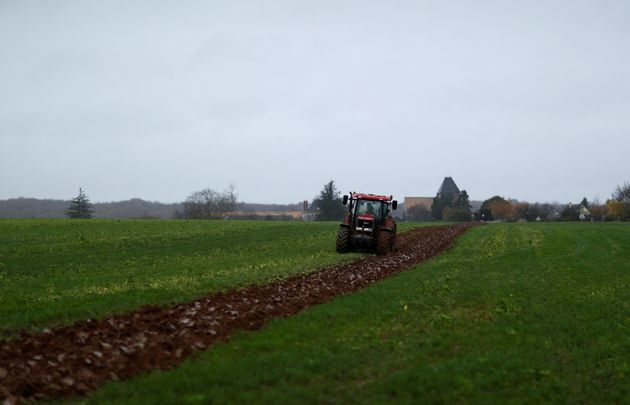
(457, 208)
(617, 208)
(327, 206)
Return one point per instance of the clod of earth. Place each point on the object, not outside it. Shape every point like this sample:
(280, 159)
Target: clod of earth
(76, 359)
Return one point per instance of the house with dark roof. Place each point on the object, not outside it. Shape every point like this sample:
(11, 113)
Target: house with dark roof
(448, 187)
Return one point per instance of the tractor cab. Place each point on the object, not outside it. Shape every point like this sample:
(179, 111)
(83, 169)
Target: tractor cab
(368, 214)
(370, 208)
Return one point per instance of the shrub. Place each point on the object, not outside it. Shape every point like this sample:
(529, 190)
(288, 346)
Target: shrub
(456, 215)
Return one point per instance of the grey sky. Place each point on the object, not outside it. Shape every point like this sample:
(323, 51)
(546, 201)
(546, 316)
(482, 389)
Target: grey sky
(526, 99)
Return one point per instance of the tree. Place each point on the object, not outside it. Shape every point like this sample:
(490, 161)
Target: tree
(463, 201)
(460, 202)
(209, 204)
(531, 212)
(80, 207)
(418, 213)
(484, 214)
(456, 214)
(328, 203)
(616, 209)
(619, 206)
(499, 207)
(521, 210)
(439, 203)
(544, 211)
(570, 213)
(598, 211)
(622, 193)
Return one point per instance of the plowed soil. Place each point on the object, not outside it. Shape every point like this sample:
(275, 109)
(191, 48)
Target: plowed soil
(76, 359)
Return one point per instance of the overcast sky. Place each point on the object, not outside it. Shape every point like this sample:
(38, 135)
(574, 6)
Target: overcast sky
(156, 99)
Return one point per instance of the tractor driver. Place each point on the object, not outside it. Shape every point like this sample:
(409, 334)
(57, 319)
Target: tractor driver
(370, 209)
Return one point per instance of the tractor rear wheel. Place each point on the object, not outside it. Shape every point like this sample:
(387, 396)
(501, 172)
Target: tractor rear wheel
(383, 243)
(392, 241)
(343, 240)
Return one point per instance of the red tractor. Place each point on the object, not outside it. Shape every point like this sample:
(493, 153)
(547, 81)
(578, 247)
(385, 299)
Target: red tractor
(368, 226)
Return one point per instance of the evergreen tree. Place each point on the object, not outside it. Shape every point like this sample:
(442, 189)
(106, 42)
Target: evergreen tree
(484, 214)
(80, 207)
(459, 202)
(463, 202)
(439, 203)
(329, 203)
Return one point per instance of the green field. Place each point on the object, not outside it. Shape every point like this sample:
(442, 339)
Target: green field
(56, 271)
(515, 312)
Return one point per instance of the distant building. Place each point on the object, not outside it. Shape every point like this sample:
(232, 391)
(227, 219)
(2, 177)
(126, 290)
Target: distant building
(415, 201)
(448, 187)
(584, 212)
(580, 211)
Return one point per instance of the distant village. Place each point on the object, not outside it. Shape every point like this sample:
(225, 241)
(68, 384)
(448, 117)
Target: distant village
(496, 208)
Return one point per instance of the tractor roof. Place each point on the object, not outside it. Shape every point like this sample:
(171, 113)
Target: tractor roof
(371, 197)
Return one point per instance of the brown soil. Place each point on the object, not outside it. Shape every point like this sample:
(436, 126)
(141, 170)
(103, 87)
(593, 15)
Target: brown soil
(76, 359)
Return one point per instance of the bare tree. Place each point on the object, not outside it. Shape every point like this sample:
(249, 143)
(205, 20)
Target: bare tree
(622, 193)
(619, 206)
(210, 204)
(597, 209)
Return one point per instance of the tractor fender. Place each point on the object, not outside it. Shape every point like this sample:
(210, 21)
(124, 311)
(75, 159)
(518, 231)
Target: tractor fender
(389, 225)
(347, 220)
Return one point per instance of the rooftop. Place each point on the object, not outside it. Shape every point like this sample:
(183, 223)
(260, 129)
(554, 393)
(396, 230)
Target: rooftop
(448, 187)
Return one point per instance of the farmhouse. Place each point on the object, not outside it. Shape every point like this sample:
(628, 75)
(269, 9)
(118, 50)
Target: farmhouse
(448, 187)
(577, 211)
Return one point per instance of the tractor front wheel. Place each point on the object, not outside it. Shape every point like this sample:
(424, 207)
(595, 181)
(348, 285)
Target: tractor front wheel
(383, 243)
(343, 240)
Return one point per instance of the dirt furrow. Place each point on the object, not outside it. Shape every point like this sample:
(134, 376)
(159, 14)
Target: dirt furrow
(76, 359)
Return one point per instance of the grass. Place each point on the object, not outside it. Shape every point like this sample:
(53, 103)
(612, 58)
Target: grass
(514, 313)
(56, 271)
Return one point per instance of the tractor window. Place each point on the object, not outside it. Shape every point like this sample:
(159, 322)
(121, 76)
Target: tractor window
(370, 207)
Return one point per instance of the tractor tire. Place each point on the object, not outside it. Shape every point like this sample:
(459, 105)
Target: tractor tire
(383, 243)
(343, 240)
